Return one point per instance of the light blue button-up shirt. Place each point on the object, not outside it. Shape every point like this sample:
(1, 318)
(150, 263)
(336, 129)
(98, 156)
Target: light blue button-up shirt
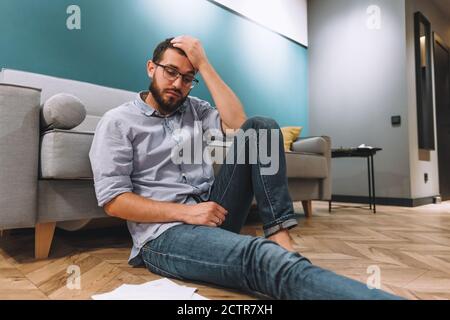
(132, 152)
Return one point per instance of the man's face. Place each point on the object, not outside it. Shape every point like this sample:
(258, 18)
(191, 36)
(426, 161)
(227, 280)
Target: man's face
(170, 94)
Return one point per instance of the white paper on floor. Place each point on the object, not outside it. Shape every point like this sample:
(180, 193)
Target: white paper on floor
(162, 289)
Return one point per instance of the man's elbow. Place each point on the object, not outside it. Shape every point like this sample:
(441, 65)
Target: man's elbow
(113, 207)
(237, 124)
(233, 127)
(109, 208)
(241, 121)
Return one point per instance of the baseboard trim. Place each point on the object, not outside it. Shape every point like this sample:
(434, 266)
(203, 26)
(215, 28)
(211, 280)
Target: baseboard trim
(400, 202)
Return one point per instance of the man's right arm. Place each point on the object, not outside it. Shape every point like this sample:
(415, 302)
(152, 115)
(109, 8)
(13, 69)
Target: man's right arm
(132, 207)
(111, 158)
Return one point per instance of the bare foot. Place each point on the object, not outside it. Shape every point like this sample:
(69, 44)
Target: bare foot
(283, 239)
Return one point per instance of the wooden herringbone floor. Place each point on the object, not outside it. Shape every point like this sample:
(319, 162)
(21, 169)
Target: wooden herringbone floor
(411, 246)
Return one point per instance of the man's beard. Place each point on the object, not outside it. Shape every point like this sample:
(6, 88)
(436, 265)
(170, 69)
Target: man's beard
(167, 105)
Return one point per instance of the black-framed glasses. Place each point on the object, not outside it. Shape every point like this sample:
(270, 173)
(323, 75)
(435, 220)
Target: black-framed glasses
(173, 74)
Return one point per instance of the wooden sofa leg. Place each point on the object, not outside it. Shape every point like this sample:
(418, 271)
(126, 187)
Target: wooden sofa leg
(43, 239)
(307, 208)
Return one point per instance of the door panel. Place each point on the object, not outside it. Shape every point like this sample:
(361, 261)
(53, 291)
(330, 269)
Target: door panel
(442, 87)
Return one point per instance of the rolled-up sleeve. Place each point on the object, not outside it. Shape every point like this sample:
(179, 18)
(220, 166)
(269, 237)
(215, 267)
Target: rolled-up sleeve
(209, 116)
(111, 157)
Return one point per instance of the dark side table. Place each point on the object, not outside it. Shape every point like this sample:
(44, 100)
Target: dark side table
(367, 153)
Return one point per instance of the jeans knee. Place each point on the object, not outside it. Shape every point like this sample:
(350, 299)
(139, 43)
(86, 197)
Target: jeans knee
(259, 122)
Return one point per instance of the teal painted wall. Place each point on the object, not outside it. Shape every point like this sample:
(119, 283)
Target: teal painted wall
(267, 71)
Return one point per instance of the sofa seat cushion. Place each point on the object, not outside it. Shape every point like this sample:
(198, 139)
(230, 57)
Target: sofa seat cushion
(306, 165)
(299, 165)
(65, 154)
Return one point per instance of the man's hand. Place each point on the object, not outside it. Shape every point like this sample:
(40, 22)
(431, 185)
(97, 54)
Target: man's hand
(206, 214)
(230, 108)
(193, 49)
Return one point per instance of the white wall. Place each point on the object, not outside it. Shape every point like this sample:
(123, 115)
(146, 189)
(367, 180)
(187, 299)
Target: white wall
(441, 25)
(287, 17)
(357, 82)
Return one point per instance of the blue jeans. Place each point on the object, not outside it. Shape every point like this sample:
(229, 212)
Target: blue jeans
(255, 265)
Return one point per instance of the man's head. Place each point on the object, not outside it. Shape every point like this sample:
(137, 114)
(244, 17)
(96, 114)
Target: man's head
(170, 71)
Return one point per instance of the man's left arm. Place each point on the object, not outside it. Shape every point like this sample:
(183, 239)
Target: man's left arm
(230, 108)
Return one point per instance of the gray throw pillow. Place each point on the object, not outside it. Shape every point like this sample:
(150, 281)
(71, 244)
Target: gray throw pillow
(62, 111)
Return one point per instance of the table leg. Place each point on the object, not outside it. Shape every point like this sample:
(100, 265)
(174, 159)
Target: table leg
(373, 185)
(369, 179)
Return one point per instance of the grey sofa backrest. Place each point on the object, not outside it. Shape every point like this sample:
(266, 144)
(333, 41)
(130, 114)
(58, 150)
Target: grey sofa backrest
(97, 99)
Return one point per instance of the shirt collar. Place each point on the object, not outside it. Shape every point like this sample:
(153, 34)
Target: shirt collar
(149, 111)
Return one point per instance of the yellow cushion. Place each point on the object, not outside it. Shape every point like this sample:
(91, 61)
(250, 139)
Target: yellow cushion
(290, 134)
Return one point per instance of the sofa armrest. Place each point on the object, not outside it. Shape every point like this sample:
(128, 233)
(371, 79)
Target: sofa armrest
(318, 145)
(19, 145)
(322, 146)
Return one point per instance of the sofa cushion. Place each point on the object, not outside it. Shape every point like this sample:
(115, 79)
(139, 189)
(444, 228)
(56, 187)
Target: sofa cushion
(89, 123)
(65, 154)
(97, 99)
(300, 165)
(62, 111)
(290, 134)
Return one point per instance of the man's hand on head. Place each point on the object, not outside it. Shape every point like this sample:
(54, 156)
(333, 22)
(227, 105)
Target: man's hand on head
(193, 49)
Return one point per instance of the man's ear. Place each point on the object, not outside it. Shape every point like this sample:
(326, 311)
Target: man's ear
(150, 69)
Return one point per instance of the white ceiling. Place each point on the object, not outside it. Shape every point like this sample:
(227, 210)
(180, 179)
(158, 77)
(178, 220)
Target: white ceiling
(444, 6)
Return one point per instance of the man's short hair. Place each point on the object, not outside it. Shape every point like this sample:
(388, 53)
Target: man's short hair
(162, 47)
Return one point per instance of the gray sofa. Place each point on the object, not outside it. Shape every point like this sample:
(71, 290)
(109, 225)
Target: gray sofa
(46, 179)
